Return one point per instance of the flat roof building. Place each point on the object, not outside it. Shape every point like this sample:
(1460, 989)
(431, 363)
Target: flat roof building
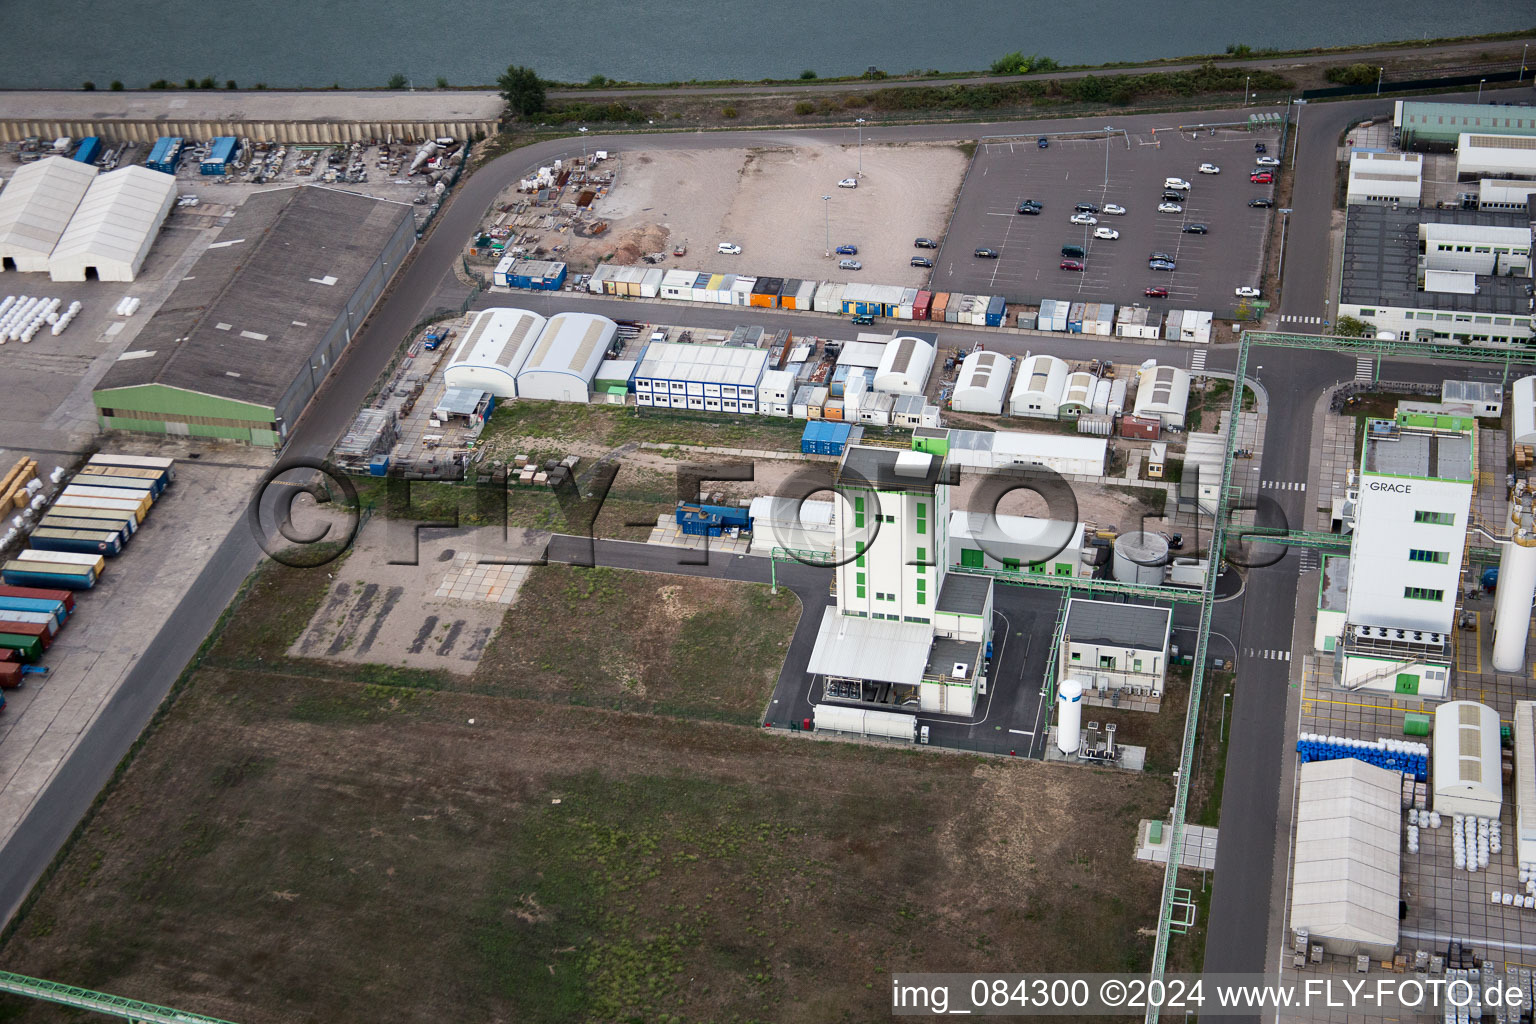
(1076, 454)
(247, 336)
(562, 363)
(1438, 126)
(493, 350)
(1385, 178)
(35, 208)
(1479, 154)
(1113, 646)
(112, 229)
(712, 378)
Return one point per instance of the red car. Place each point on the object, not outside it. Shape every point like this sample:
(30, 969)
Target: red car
(1071, 264)
(1156, 293)
(1262, 178)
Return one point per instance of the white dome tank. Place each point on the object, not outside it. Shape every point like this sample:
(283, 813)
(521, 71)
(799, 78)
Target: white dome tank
(1140, 557)
(1069, 716)
(1516, 587)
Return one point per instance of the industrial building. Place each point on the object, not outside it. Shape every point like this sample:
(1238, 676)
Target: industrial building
(246, 338)
(983, 383)
(906, 363)
(1067, 454)
(1483, 398)
(1385, 178)
(165, 154)
(1438, 127)
(1524, 738)
(35, 208)
(1109, 646)
(905, 633)
(564, 360)
(1523, 411)
(1467, 775)
(111, 231)
(1163, 392)
(1348, 857)
(221, 153)
(795, 526)
(1504, 195)
(715, 378)
(611, 385)
(1039, 387)
(1042, 547)
(493, 350)
(535, 275)
(1479, 155)
(1409, 519)
(1440, 274)
(1077, 394)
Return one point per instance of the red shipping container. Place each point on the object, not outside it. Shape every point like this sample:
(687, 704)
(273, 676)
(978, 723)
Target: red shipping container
(6, 654)
(1144, 428)
(10, 675)
(41, 594)
(36, 629)
(920, 307)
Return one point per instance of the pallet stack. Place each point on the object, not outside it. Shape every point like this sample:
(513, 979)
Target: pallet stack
(13, 486)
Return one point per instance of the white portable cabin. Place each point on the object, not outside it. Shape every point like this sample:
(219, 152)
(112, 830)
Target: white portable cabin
(983, 383)
(114, 226)
(678, 284)
(493, 350)
(1039, 387)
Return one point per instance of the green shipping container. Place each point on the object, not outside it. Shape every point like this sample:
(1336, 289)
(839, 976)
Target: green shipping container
(1415, 724)
(29, 648)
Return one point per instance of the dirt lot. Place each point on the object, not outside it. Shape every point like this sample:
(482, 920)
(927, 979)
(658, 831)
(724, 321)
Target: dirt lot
(768, 201)
(278, 849)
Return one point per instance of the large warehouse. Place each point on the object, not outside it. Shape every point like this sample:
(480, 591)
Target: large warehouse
(1438, 126)
(983, 383)
(35, 209)
(570, 349)
(241, 345)
(110, 234)
(1479, 155)
(493, 350)
(1386, 178)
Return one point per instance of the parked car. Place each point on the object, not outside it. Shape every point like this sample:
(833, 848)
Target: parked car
(926, 243)
(1045, 143)
(986, 254)
(921, 261)
(849, 265)
(1175, 183)
(1072, 265)
(1209, 169)
(1266, 161)
(1087, 207)
(1169, 208)
(1111, 208)
(1109, 234)
(1032, 209)
(1259, 147)
(848, 183)
(1246, 292)
(847, 250)
(1263, 202)
(1170, 196)
(1156, 293)
(1159, 256)
(1262, 178)
(1196, 229)
(729, 248)
(863, 320)
(1084, 218)
(1162, 265)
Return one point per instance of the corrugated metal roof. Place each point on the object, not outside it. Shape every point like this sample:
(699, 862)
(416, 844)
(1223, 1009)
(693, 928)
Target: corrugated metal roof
(712, 364)
(571, 343)
(37, 203)
(874, 649)
(1138, 626)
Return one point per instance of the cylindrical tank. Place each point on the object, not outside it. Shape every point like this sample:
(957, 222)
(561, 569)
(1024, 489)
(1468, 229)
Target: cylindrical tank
(1517, 585)
(1069, 716)
(1140, 557)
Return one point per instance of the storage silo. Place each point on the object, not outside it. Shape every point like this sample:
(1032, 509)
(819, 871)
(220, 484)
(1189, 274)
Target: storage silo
(1517, 584)
(1140, 557)
(1069, 716)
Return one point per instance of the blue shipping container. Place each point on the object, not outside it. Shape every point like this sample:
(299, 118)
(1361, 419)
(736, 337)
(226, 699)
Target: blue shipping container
(20, 574)
(221, 153)
(166, 154)
(995, 311)
(90, 149)
(33, 604)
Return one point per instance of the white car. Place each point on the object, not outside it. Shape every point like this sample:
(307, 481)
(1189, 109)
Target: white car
(1169, 208)
(729, 248)
(1209, 169)
(1114, 210)
(848, 183)
(1175, 183)
(1108, 233)
(1266, 161)
(1246, 293)
(1084, 218)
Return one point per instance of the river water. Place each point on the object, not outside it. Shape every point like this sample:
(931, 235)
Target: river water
(361, 43)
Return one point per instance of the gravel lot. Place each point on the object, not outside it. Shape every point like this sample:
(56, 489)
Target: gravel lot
(768, 201)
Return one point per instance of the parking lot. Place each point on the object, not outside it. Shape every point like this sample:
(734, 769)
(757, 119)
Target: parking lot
(1128, 169)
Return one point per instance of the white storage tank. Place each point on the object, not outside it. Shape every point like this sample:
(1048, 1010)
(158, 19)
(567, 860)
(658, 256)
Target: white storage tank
(1517, 584)
(1069, 716)
(1140, 557)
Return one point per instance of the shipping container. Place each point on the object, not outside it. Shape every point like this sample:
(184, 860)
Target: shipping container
(165, 465)
(85, 541)
(154, 476)
(107, 518)
(765, 292)
(132, 486)
(47, 620)
(90, 149)
(938, 305)
(54, 609)
(221, 153)
(64, 597)
(27, 648)
(805, 295)
(10, 676)
(921, 305)
(51, 576)
(1142, 428)
(90, 561)
(996, 310)
(165, 155)
(649, 284)
(120, 498)
(40, 631)
(53, 521)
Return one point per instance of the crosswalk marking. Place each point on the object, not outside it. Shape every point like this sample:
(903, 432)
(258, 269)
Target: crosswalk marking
(1268, 655)
(1197, 362)
(1291, 318)
(1365, 370)
(1284, 485)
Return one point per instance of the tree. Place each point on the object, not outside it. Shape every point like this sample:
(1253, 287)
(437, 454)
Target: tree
(88, 86)
(1354, 327)
(807, 75)
(598, 81)
(206, 83)
(230, 84)
(396, 81)
(522, 89)
(191, 83)
(116, 86)
(442, 83)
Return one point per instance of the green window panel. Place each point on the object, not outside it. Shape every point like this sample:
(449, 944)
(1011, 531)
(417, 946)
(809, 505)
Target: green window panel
(1433, 557)
(858, 591)
(858, 578)
(1435, 518)
(1063, 568)
(1423, 594)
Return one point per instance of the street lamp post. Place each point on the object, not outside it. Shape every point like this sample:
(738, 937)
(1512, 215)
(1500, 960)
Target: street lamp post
(1523, 50)
(826, 209)
(1480, 82)
(583, 132)
(1379, 73)
(860, 122)
(1245, 89)
(1296, 142)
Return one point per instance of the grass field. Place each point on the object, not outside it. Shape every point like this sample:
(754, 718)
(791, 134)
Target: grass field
(299, 847)
(545, 426)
